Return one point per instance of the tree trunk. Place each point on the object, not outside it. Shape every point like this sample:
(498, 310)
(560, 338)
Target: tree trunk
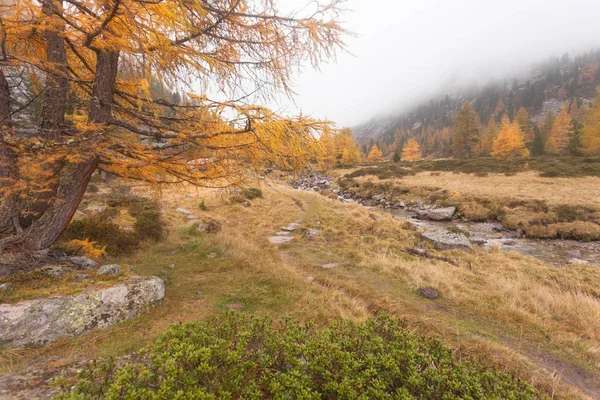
(8, 160)
(55, 95)
(45, 229)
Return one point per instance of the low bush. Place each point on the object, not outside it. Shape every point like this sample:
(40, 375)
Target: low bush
(100, 229)
(234, 356)
(252, 193)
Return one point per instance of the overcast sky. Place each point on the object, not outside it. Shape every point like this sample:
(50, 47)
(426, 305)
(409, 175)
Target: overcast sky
(405, 51)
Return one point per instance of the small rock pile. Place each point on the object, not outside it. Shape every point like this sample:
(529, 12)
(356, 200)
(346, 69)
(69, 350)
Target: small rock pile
(313, 181)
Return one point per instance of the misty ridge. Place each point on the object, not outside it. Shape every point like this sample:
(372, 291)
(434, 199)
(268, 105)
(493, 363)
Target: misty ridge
(541, 88)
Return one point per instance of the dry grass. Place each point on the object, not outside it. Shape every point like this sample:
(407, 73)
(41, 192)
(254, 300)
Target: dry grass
(505, 309)
(523, 186)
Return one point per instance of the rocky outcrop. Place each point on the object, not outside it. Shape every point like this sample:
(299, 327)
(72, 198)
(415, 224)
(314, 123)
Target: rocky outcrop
(445, 240)
(314, 182)
(441, 214)
(41, 321)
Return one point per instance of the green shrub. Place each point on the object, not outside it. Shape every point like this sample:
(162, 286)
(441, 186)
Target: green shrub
(202, 205)
(100, 229)
(234, 356)
(148, 225)
(91, 188)
(570, 213)
(252, 193)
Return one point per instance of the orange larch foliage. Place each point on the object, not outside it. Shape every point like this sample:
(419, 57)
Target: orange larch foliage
(561, 131)
(411, 151)
(375, 154)
(509, 143)
(106, 73)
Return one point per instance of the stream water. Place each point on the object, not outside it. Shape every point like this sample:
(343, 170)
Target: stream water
(487, 235)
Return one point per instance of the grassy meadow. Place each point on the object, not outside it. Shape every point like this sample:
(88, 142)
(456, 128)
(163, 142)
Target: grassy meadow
(509, 311)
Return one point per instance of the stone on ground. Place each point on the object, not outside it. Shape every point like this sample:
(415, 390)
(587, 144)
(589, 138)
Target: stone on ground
(110, 269)
(183, 211)
(83, 262)
(80, 277)
(330, 265)
(441, 214)
(209, 225)
(280, 239)
(56, 271)
(311, 233)
(41, 321)
(428, 293)
(291, 227)
(444, 240)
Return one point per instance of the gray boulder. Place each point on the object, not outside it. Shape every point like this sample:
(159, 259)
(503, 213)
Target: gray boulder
(56, 271)
(96, 209)
(577, 261)
(280, 239)
(311, 233)
(110, 269)
(83, 262)
(428, 293)
(183, 211)
(80, 277)
(441, 214)
(209, 225)
(41, 321)
(444, 240)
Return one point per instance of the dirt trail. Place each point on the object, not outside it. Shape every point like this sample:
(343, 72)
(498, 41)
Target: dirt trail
(354, 287)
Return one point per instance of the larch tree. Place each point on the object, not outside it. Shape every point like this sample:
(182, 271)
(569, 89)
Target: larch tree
(465, 139)
(591, 132)
(91, 64)
(525, 125)
(375, 155)
(351, 155)
(491, 133)
(510, 143)
(546, 133)
(411, 151)
(561, 132)
(327, 159)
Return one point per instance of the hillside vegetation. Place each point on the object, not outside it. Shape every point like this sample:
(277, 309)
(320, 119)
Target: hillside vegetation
(508, 313)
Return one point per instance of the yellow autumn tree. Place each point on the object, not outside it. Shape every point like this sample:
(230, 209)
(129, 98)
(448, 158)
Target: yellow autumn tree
(375, 155)
(561, 133)
(327, 159)
(490, 135)
(93, 69)
(591, 131)
(509, 143)
(411, 151)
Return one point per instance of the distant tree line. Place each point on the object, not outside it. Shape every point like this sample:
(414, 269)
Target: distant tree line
(552, 112)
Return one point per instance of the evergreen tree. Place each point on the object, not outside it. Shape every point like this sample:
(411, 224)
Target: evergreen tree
(396, 157)
(466, 133)
(575, 143)
(537, 147)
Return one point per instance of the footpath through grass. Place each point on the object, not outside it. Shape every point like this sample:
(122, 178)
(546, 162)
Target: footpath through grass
(508, 313)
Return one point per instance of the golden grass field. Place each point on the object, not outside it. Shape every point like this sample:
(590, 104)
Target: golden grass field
(523, 186)
(509, 310)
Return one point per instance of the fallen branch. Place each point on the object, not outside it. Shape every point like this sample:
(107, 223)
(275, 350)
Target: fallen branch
(425, 254)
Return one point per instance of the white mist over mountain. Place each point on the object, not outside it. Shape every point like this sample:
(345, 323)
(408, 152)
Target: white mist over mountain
(405, 52)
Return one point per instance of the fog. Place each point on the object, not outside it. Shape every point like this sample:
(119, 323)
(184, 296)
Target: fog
(405, 52)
